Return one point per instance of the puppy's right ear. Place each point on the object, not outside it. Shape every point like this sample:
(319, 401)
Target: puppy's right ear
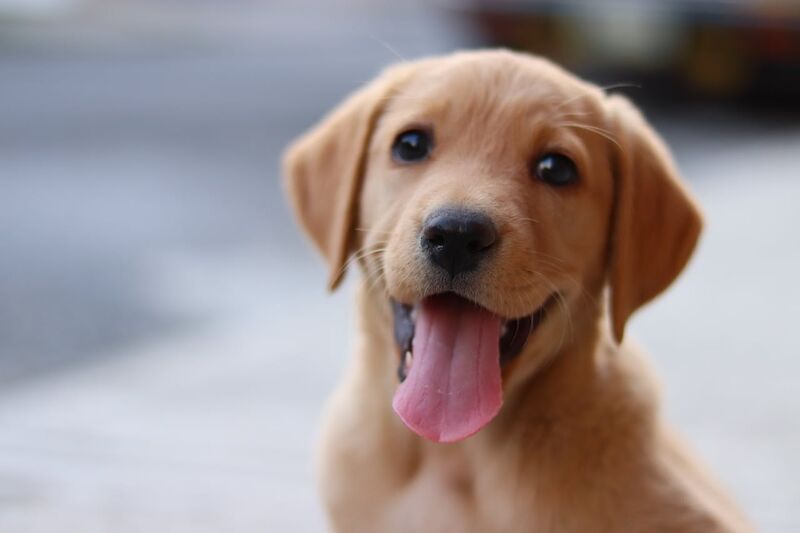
(323, 170)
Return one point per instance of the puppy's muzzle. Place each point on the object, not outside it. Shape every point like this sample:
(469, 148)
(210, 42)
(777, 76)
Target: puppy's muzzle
(457, 240)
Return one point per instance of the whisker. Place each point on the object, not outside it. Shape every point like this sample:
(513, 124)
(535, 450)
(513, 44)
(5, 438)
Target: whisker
(623, 85)
(367, 253)
(388, 47)
(537, 252)
(605, 89)
(377, 279)
(577, 114)
(523, 219)
(370, 230)
(362, 253)
(593, 129)
(570, 100)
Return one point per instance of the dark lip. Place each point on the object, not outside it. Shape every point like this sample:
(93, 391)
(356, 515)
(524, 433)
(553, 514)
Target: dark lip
(511, 343)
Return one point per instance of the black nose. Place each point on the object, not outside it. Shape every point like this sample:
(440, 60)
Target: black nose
(457, 239)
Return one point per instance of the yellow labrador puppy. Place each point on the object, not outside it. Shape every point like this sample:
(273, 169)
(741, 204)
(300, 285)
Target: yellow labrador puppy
(508, 218)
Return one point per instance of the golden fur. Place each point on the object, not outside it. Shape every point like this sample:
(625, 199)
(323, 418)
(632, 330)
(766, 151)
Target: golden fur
(579, 445)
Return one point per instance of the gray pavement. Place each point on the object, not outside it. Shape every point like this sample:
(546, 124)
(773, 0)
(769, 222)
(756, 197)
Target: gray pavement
(165, 342)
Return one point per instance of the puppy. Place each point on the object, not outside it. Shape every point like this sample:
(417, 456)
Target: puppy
(508, 219)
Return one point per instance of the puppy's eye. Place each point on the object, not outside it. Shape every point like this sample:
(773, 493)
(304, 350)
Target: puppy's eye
(555, 169)
(411, 146)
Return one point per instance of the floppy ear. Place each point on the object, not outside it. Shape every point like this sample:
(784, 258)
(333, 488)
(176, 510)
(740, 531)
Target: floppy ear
(656, 221)
(323, 170)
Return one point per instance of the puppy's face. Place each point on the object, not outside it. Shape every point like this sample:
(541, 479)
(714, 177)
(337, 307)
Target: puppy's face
(491, 182)
(490, 196)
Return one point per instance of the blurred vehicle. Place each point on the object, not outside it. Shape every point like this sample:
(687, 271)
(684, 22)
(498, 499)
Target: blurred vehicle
(743, 51)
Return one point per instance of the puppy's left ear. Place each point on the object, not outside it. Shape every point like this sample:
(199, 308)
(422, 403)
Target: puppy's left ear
(323, 170)
(656, 221)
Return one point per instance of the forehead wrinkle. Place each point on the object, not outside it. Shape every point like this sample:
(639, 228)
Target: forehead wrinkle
(411, 107)
(469, 90)
(566, 140)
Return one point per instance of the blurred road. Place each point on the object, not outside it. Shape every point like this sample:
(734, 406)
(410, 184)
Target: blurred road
(161, 139)
(165, 341)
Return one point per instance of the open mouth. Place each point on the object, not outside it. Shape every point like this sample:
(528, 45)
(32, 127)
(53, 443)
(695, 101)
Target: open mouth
(513, 333)
(451, 354)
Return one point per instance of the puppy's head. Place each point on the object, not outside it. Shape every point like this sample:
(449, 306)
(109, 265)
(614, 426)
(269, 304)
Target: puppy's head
(491, 196)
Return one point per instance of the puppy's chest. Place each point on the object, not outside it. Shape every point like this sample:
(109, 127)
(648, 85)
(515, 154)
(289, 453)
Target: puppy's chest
(450, 492)
(447, 494)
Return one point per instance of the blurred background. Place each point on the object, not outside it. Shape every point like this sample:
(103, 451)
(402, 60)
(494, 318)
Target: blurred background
(166, 344)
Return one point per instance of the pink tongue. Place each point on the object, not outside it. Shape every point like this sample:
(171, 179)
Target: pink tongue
(454, 386)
